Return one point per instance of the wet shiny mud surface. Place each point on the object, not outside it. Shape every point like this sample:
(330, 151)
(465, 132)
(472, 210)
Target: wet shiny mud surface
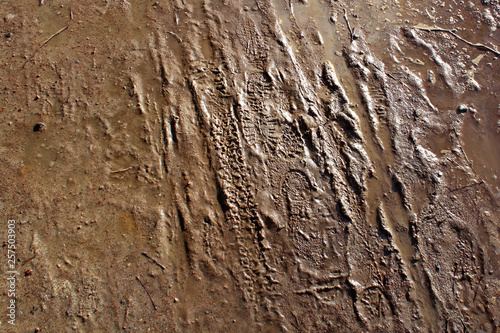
(252, 166)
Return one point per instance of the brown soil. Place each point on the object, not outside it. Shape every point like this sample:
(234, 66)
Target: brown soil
(251, 166)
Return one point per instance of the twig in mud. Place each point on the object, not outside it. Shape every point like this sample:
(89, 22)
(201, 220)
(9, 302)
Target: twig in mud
(28, 260)
(451, 32)
(348, 24)
(147, 292)
(467, 159)
(156, 262)
(386, 73)
(48, 39)
(477, 288)
(470, 164)
(121, 170)
(296, 324)
(464, 187)
(176, 36)
(391, 76)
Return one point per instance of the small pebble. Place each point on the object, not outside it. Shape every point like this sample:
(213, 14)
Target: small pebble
(8, 35)
(9, 17)
(39, 127)
(462, 108)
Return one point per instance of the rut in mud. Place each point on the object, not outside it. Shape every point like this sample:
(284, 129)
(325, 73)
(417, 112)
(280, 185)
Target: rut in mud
(254, 166)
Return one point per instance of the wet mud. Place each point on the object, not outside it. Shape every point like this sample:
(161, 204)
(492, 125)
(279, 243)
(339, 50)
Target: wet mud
(253, 166)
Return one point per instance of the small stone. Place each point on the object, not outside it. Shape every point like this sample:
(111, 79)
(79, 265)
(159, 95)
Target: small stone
(9, 17)
(39, 127)
(462, 109)
(8, 35)
(431, 77)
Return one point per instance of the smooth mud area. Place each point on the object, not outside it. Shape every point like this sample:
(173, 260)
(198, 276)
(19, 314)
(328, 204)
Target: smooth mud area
(250, 166)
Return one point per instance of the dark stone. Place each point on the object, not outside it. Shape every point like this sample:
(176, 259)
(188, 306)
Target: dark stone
(39, 127)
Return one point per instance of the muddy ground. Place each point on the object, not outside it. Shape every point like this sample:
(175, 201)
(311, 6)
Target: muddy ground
(250, 166)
